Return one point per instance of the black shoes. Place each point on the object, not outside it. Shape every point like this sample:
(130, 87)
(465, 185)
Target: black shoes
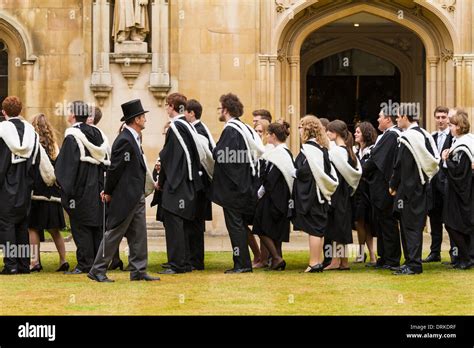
(238, 270)
(36, 268)
(101, 278)
(74, 271)
(170, 271)
(145, 276)
(318, 268)
(6, 271)
(166, 265)
(405, 270)
(432, 258)
(462, 265)
(280, 266)
(114, 266)
(63, 268)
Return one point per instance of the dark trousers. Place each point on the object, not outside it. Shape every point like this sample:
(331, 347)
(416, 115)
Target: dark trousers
(413, 240)
(236, 226)
(388, 237)
(196, 243)
(463, 244)
(177, 232)
(436, 224)
(87, 240)
(134, 228)
(14, 237)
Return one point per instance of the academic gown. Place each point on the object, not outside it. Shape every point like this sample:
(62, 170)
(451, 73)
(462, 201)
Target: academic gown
(458, 209)
(179, 194)
(311, 216)
(362, 209)
(205, 205)
(233, 186)
(378, 169)
(81, 182)
(412, 197)
(16, 181)
(273, 211)
(340, 211)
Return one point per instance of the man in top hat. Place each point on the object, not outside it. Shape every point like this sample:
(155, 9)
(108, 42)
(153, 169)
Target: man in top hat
(124, 194)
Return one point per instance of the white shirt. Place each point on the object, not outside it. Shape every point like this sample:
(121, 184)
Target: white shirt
(413, 125)
(135, 134)
(442, 135)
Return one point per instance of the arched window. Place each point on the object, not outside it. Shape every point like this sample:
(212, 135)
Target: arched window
(3, 71)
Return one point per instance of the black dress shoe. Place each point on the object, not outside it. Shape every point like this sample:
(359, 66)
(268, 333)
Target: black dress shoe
(165, 265)
(114, 266)
(391, 268)
(170, 271)
(6, 271)
(238, 270)
(200, 268)
(432, 258)
(101, 278)
(280, 266)
(318, 268)
(74, 271)
(145, 276)
(462, 265)
(405, 271)
(63, 268)
(36, 268)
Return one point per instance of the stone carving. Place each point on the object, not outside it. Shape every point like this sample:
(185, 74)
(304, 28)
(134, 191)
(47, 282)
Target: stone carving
(446, 54)
(130, 20)
(449, 5)
(283, 5)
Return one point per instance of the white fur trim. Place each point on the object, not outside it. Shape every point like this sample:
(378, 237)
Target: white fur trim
(211, 139)
(252, 140)
(325, 183)
(415, 143)
(46, 199)
(339, 157)
(281, 159)
(46, 168)
(98, 154)
(464, 143)
(9, 134)
(185, 149)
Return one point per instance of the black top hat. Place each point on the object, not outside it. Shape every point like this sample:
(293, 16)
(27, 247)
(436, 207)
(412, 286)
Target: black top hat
(132, 109)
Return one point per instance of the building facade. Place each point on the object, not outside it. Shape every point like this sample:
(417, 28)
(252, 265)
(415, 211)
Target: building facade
(340, 58)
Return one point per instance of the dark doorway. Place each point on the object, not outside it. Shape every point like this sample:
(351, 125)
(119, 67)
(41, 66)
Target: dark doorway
(3, 71)
(351, 86)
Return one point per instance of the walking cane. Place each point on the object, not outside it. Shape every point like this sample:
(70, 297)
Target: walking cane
(103, 219)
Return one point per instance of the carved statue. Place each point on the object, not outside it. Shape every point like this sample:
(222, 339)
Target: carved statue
(130, 20)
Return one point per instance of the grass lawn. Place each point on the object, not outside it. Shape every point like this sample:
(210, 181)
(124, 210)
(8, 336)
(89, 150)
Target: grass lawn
(438, 291)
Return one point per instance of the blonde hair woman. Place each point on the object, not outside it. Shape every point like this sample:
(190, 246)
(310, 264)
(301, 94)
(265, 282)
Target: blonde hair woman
(46, 212)
(315, 182)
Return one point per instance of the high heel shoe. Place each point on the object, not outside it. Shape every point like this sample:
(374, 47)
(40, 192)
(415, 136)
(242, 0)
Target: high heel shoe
(116, 265)
(280, 266)
(64, 267)
(36, 268)
(318, 268)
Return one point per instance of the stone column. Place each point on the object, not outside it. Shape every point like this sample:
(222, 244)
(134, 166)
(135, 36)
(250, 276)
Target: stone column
(469, 77)
(272, 88)
(294, 107)
(101, 80)
(458, 66)
(263, 80)
(432, 98)
(160, 77)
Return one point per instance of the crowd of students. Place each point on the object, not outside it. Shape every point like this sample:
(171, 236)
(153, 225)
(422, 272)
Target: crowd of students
(382, 186)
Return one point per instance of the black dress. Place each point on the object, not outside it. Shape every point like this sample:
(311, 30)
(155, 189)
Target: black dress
(273, 212)
(362, 208)
(46, 211)
(310, 214)
(340, 211)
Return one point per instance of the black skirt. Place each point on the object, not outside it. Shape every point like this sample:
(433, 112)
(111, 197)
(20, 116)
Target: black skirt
(314, 222)
(46, 216)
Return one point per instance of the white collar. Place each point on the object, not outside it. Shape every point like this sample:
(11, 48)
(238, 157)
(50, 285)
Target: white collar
(413, 125)
(445, 132)
(176, 117)
(77, 124)
(196, 122)
(135, 134)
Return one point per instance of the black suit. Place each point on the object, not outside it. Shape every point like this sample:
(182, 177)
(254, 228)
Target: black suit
(126, 211)
(438, 186)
